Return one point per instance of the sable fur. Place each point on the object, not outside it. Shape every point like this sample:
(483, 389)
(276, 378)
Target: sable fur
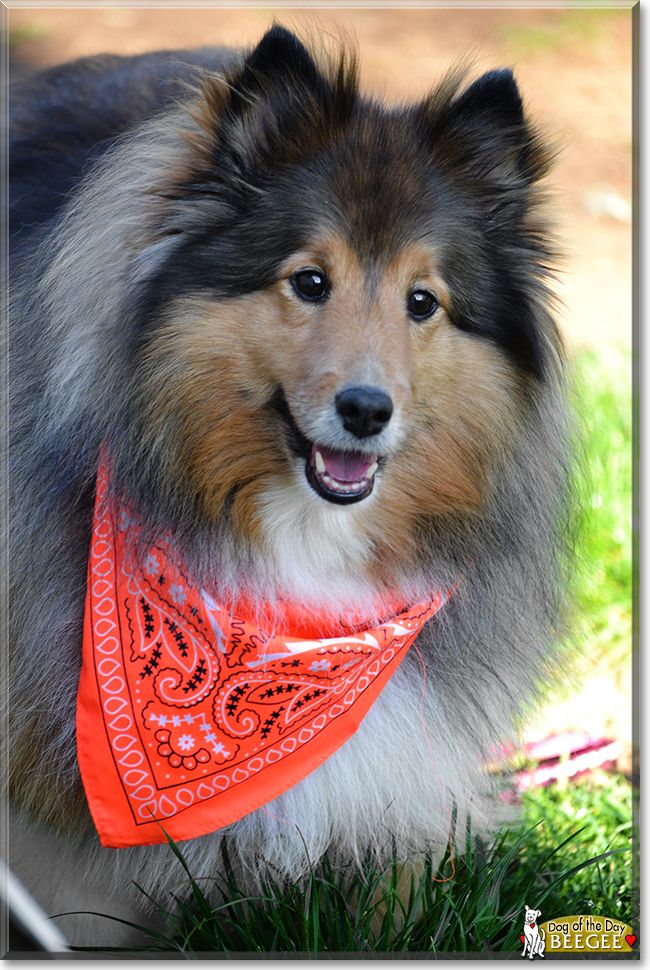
(152, 225)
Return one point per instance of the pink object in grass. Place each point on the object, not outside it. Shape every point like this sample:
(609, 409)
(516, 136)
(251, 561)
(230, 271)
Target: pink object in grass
(560, 744)
(598, 753)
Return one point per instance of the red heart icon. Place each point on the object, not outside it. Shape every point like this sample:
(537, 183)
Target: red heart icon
(630, 940)
(522, 939)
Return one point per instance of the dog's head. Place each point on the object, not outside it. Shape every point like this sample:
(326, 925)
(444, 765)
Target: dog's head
(352, 306)
(532, 915)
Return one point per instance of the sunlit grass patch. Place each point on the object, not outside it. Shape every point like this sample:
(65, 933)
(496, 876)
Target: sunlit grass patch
(605, 597)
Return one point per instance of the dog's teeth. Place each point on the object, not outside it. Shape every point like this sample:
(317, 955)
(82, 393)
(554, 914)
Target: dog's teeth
(320, 463)
(371, 471)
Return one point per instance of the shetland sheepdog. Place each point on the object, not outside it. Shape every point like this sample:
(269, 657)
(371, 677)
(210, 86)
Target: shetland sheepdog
(314, 333)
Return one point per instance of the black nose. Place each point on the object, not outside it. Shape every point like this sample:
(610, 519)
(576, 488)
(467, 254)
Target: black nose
(364, 410)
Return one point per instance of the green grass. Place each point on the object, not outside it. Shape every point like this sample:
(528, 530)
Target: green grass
(566, 30)
(31, 30)
(604, 387)
(569, 854)
(600, 809)
(571, 851)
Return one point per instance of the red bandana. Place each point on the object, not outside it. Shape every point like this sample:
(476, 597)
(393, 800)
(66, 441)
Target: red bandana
(193, 715)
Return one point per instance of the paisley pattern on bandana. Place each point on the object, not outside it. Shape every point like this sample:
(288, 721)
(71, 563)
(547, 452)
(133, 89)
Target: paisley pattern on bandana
(192, 716)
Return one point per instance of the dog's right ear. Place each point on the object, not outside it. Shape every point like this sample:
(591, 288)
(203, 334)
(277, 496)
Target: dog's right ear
(277, 107)
(279, 59)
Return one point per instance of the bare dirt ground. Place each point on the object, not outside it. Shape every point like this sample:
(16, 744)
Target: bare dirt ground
(575, 71)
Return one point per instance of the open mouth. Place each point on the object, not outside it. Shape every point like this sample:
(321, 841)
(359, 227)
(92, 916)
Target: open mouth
(341, 476)
(338, 476)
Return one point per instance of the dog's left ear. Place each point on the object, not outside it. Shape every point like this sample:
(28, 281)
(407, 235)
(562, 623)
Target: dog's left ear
(484, 131)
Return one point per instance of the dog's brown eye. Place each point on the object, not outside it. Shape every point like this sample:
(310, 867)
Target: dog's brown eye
(421, 304)
(310, 284)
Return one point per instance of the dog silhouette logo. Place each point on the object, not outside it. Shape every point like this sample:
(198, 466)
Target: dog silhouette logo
(533, 938)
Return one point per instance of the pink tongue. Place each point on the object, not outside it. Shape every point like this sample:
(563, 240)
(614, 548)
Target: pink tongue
(349, 466)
